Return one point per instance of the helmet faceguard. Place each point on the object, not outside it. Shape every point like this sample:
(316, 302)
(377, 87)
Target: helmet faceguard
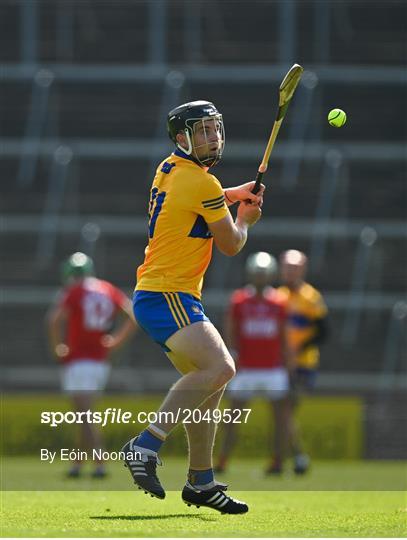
(78, 266)
(192, 118)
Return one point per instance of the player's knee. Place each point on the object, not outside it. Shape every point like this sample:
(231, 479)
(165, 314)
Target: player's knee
(230, 372)
(223, 375)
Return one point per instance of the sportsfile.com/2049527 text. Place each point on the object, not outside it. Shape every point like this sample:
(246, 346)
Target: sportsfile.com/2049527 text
(111, 415)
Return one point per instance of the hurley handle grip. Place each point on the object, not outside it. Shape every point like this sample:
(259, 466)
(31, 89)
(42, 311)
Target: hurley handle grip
(259, 177)
(256, 187)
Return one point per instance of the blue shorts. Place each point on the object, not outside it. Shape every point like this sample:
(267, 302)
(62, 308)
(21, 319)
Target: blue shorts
(161, 314)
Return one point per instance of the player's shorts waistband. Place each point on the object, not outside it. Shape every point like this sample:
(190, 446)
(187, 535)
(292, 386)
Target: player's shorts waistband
(161, 314)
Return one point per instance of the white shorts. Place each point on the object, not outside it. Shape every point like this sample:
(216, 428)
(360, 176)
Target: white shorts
(273, 383)
(85, 376)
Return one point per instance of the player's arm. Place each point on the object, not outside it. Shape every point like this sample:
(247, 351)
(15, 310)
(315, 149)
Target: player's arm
(56, 320)
(229, 236)
(321, 332)
(125, 330)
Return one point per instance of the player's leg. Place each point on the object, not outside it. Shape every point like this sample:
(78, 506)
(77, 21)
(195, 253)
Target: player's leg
(278, 436)
(198, 351)
(301, 459)
(178, 322)
(81, 441)
(202, 489)
(73, 379)
(292, 426)
(91, 436)
(88, 378)
(67, 382)
(230, 436)
(201, 438)
(303, 381)
(276, 382)
(241, 389)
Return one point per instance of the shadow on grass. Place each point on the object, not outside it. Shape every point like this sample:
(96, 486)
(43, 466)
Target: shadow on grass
(162, 516)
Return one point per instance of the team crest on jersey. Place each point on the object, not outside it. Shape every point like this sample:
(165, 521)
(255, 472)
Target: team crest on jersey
(196, 309)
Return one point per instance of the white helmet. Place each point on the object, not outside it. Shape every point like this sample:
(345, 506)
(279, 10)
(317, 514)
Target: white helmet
(261, 262)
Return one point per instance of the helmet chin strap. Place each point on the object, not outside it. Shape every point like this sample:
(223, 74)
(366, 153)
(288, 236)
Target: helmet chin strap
(187, 151)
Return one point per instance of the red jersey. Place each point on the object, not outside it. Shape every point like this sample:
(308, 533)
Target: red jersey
(257, 322)
(92, 305)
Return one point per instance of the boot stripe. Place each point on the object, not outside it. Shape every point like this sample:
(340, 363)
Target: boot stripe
(219, 501)
(215, 497)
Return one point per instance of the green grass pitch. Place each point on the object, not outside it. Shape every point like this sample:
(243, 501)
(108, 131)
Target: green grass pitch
(279, 507)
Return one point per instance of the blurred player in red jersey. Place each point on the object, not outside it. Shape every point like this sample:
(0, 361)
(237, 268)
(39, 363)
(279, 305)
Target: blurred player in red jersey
(256, 331)
(307, 329)
(79, 328)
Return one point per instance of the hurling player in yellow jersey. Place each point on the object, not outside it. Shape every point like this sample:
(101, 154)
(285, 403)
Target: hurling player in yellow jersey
(188, 211)
(307, 329)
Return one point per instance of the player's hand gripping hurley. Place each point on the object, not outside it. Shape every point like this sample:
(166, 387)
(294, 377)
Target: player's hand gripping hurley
(286, 92)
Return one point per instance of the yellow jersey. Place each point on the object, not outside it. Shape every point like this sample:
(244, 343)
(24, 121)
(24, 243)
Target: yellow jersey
(304, 306)
(184, 198)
